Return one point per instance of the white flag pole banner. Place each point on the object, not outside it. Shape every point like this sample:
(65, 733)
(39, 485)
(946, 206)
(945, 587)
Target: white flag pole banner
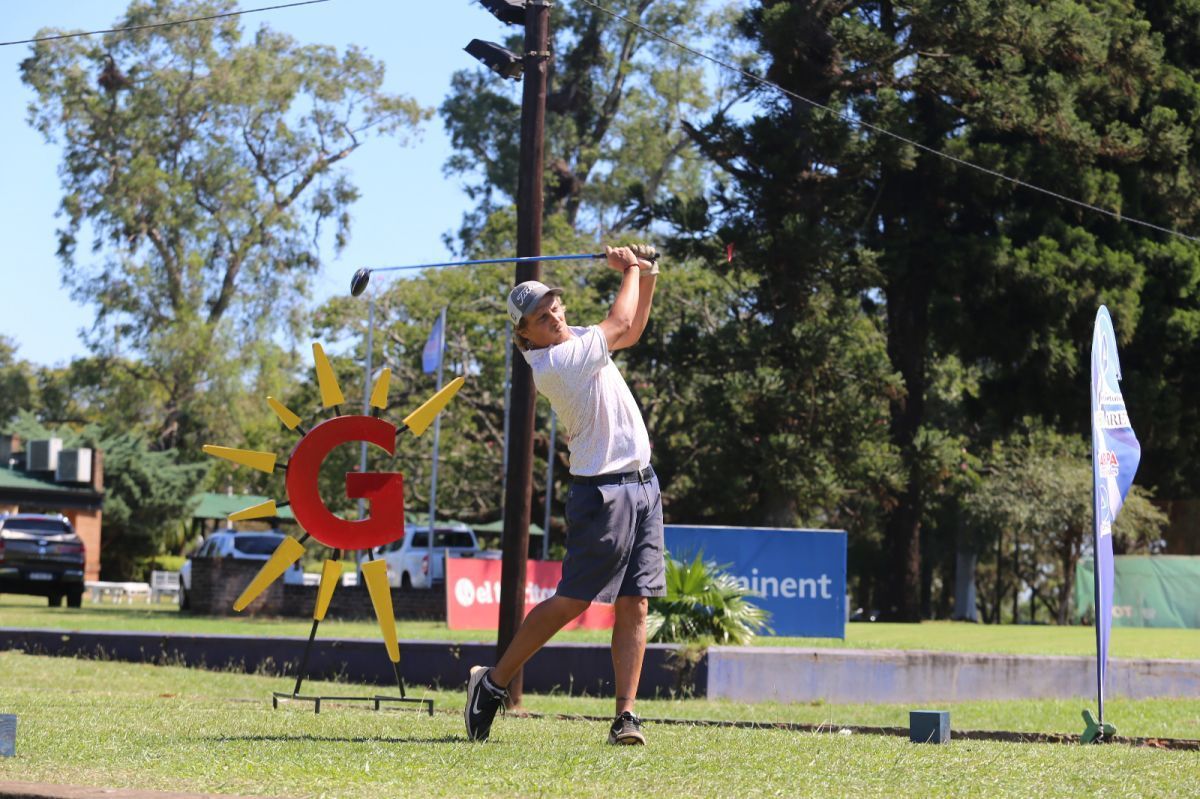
(1115, 457)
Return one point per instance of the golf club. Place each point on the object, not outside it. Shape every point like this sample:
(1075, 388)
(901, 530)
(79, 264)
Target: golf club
(358, 283)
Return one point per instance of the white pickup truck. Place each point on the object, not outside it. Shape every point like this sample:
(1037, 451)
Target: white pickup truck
(408, 561)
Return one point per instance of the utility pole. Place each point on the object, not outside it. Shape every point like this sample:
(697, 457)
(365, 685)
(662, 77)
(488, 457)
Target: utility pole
(519, 487)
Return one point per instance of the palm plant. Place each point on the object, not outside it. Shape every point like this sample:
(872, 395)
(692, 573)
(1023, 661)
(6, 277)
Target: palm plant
(704, 603)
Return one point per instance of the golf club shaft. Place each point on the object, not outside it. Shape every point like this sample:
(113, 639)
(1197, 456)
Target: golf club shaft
(528, 259)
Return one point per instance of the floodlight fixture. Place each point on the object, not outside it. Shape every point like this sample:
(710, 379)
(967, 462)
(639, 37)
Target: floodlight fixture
(498, 59)
(508, 11)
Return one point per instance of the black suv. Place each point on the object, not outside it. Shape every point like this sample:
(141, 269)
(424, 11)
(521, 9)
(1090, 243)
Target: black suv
(42, 556)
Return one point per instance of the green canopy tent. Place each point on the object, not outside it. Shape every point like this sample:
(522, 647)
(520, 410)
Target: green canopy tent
(213, 510)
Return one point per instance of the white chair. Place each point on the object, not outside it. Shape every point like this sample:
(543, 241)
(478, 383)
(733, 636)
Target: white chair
(162, 584)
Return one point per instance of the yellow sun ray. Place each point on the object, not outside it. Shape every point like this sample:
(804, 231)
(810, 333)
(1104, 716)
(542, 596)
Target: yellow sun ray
(419, 420)
(263, 510)
(263, 461)
(289, 419)
(331, 571)
(331, 392)
(380, 391)
(375, 573)
(287, 553)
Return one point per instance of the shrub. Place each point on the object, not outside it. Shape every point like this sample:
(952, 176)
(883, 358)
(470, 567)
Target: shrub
(143, 566)
(704, 603)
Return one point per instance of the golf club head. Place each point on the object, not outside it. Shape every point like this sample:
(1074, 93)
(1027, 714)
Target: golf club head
(358, 283)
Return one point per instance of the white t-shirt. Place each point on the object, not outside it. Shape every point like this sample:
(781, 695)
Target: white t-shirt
(604, 428)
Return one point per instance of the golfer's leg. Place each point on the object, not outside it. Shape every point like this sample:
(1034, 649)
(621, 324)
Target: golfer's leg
(539, 627)
(628, 648)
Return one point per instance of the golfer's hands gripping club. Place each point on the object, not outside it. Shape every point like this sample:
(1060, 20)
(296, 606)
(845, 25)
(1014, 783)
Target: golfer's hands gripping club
(621, 258)
(647, 257)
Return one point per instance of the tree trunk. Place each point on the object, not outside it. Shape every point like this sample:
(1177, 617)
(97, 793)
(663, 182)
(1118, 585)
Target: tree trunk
(1066, 586)
(906, 236)
(908, 336)
(926, 586)
(999, 587)
(964, 586)
(1016, 619)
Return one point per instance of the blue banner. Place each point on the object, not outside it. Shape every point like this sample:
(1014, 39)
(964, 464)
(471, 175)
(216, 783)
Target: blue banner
(797, 575)
(1115, 456)
(431, 356)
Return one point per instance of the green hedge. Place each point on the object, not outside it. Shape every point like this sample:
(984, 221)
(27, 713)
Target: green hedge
(162, 563)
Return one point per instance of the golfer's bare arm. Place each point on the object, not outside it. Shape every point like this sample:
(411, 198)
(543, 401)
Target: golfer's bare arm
(642, 315)
(620, 319)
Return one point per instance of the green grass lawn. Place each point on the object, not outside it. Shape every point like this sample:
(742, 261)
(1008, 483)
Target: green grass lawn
(119, 725)
(20, 611)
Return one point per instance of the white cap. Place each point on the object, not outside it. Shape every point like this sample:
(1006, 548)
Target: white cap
(525, 297)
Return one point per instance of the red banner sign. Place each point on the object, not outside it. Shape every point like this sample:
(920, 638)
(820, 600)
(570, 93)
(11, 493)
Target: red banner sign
(473, 594)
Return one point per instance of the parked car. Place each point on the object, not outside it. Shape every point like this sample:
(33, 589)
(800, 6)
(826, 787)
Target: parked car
(408, 562)
(41, 555)
(258, 546)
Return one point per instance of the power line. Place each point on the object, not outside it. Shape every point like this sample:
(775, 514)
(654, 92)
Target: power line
(885, 132)
(164, 24)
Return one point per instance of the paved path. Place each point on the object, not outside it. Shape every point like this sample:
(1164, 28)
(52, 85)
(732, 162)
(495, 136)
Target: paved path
(40, 790)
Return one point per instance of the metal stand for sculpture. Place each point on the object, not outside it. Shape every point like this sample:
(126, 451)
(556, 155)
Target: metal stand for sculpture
(375, 575)
(384, 525)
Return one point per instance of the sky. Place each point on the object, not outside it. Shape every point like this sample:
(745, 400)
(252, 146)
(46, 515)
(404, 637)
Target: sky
(406, 203)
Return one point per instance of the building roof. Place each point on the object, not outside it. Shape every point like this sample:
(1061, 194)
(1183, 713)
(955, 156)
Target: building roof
(22, 486)
(219, 506)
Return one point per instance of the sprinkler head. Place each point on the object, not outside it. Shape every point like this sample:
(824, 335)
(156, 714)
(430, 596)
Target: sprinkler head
(358, 283)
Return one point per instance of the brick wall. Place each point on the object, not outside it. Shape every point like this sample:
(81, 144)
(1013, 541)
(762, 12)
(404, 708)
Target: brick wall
(217, 583)
(87, 527)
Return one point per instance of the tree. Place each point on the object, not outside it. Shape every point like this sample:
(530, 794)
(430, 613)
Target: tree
(757, 425)
(748, 425)
(945, 257)
(615, 150)
(205, 168)
(1035, 503)
(16, 382)
(615, 145)
(1161, 355)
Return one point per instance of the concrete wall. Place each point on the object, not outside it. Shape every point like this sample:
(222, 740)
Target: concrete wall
(572, 668)
(745, 674)
(759, 674)
(217, 583)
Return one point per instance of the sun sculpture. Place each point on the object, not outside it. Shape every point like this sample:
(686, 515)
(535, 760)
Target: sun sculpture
(384, 491)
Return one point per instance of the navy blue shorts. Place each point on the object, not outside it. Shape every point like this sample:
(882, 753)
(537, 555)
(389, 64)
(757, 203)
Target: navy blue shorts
(614, 542)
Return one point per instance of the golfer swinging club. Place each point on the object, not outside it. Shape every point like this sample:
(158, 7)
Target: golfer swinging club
(614, 512)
